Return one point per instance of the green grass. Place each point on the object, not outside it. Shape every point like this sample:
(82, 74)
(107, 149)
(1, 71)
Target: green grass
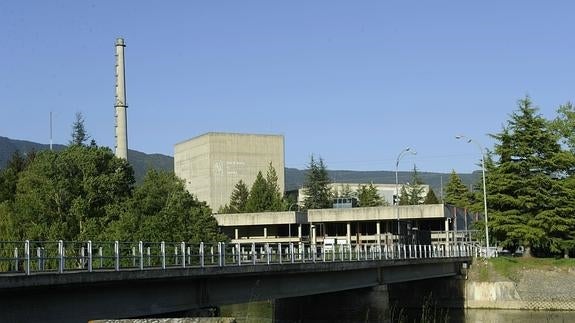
(511, 267)
(483, 274)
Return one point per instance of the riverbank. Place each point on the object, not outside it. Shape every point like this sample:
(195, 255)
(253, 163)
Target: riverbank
(517, 283)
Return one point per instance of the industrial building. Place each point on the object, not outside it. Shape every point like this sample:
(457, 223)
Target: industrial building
(386, 191)
(418, 224)
(213, 163)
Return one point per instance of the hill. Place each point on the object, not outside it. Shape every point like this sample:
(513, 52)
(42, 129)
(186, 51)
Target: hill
(294, 178)
(141, 162)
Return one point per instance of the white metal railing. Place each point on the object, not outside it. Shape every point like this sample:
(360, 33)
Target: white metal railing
(28, 257)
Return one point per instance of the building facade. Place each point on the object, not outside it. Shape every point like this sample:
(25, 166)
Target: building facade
(213, 163)
(418, 224)
(386, 191)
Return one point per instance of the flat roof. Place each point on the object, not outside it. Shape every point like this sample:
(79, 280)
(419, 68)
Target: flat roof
(261, 218)
(381, 213)
(425, 211)
(215, 133)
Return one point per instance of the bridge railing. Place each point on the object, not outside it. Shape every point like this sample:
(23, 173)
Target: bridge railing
(28, 257)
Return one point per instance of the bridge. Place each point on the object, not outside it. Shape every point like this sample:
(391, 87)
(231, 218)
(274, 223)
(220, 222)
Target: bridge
(78, 281)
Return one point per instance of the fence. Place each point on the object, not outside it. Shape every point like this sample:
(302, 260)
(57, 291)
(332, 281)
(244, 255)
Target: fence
(28, 257)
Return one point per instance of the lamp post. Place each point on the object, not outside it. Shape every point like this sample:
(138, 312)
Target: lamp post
(401, 154)
(469, 140)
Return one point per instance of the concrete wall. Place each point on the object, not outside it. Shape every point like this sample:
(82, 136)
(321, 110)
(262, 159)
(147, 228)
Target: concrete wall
(406, 212)
(213, 163)
(260, 218)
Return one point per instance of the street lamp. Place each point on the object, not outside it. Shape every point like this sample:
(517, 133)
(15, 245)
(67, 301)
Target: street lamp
(401, 154)
(469, 140)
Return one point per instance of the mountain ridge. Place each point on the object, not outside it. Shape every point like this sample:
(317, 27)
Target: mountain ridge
(294, 178)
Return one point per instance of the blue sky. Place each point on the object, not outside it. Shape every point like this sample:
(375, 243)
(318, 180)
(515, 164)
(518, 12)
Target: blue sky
(354, 82)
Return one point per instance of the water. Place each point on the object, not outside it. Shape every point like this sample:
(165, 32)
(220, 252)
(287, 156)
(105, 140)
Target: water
(262, 312)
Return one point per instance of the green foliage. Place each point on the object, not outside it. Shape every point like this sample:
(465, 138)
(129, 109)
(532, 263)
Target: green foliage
(412, 192)
(431, 198)
(161, 209)
(273, 190)
(85, 192)
(345, 192)
(529, 197)
(65, 195)
(564, 124)
(316, 186)
(238, 200)
(79, 134)
(257, 201)
(367, 196)
(265, 193)
(456, 193)
(9, 175)
(512, 267)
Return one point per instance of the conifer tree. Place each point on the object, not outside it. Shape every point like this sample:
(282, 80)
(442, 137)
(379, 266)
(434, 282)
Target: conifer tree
(238, 199)
(79, 134)
(257, 200)
(412, 192)
(456, 193)
(265, 194)
(431, 198)
(274, 197)
(530, 204)
(316, 186)
(367, 196)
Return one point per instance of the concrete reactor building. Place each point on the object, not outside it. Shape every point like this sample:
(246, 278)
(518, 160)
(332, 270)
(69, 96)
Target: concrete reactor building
(213, 163)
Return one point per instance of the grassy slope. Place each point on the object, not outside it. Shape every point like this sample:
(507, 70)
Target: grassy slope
(510, 268)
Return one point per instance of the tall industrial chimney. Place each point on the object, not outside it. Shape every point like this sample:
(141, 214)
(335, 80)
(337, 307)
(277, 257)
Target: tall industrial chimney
(121, 104)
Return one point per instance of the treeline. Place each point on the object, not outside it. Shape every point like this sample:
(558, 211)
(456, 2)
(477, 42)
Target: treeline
(265, 196)
(86, 193)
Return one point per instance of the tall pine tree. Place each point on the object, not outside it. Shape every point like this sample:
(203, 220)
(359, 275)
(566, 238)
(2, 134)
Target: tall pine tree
(456, 193)
(527, 196)
(431, 198)
(265, 194)
(316, 186)
(79, 133)
(238, 199)
(367, 196)
(413, 192)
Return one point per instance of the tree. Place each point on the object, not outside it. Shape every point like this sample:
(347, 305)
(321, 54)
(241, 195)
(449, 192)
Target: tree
(79, 134)
(345, 192)
(431, 198)
(238, 200)
(368, 196)
(274, 195)
(316, 186)
(9, 175)
(564, 124)
(258, 198)
(530, 203)
(456, 193)
(412, 193)
(161, 209)
(265, 194)
(66, 195)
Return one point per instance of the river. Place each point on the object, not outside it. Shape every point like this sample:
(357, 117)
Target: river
(262, 312)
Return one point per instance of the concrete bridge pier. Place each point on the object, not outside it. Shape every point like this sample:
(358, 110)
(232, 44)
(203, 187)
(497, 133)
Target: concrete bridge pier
(369, 304)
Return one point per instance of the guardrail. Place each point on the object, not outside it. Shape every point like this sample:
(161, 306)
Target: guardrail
(30, 257)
